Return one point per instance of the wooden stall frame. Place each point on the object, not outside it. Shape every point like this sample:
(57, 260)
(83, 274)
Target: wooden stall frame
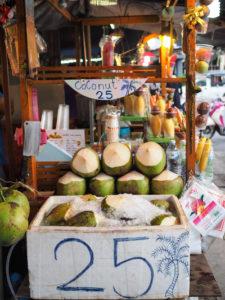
(57, 75)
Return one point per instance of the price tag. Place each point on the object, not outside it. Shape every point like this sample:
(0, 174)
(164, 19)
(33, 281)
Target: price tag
(106, 89)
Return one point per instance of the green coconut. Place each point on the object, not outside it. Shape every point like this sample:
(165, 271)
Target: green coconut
(71, 184)
(133, 183)
(85, 163)
(167, 183)
(102, 185)
(84, 218)
(13, 223)
(19, 198)
(111, 203)
(164, 220)
(57, 214)
(116, 159)
(150, 159)
(163, 204)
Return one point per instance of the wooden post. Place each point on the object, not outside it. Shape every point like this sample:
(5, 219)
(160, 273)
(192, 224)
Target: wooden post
(78, 44)
(190, 41)
(84, 46)
(88, 43)
(26, 104)
(25, 91)
(8, 126)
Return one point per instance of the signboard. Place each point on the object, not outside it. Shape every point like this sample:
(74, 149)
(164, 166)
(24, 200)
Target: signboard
(97, 265)
(106, 89)
(61, 144)
(68, 140)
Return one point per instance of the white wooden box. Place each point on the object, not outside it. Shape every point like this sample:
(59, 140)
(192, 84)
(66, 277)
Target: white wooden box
(143, 262)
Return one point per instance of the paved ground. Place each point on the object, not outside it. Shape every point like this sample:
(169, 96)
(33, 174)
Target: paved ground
(216, 252)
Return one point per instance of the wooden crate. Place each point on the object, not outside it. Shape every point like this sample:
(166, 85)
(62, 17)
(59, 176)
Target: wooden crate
(48, 174)
(144, 262)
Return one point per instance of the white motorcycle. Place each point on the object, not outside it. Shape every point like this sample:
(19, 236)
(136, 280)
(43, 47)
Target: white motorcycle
(216, 119)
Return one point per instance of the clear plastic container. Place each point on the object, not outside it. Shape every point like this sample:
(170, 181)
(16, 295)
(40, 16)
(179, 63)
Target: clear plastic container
(207, 175)
(204, 52)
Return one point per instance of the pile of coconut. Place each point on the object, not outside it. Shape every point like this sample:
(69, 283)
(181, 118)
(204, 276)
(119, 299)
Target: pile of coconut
(113, 210)
(118, 172)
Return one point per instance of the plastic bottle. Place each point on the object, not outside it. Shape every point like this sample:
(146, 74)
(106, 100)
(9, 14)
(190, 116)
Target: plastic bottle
(139, 104)
(173, 158)
(112, 128)
(107, 48)
(155, 121)
(168, 125)
(183, 159)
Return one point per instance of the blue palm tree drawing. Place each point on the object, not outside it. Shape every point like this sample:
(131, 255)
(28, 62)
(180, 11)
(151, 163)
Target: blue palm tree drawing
(174, 253)
(129, 86)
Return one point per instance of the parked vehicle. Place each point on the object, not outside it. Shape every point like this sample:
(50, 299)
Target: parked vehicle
(212, 87)
(216, 119)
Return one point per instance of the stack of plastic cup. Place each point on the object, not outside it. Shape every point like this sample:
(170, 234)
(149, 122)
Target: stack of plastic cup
(63, 117)
(47, 119)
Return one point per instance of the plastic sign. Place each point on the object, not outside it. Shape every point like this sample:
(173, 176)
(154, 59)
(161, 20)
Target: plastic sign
(106, 89)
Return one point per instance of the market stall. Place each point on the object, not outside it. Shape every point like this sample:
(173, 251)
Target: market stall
(120, 222)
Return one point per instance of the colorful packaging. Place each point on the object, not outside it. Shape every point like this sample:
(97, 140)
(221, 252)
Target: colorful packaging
(203, 207)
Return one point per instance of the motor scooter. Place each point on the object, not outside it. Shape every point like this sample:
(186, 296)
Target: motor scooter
(216, 119)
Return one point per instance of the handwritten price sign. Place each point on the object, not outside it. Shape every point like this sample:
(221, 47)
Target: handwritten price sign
(106, 89)
(103, 265)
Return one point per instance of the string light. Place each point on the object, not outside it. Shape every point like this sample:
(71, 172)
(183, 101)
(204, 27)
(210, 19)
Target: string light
(103, 2)
(73, 60)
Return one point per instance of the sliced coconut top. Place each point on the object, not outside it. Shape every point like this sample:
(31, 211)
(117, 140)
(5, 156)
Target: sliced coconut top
(86, 161)
(132, 176)
(169, 221)
(69, 177)
(116, 155)
(150, 154)
(115, 201)
(102, 177)
(166, 176)
(78, 205)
